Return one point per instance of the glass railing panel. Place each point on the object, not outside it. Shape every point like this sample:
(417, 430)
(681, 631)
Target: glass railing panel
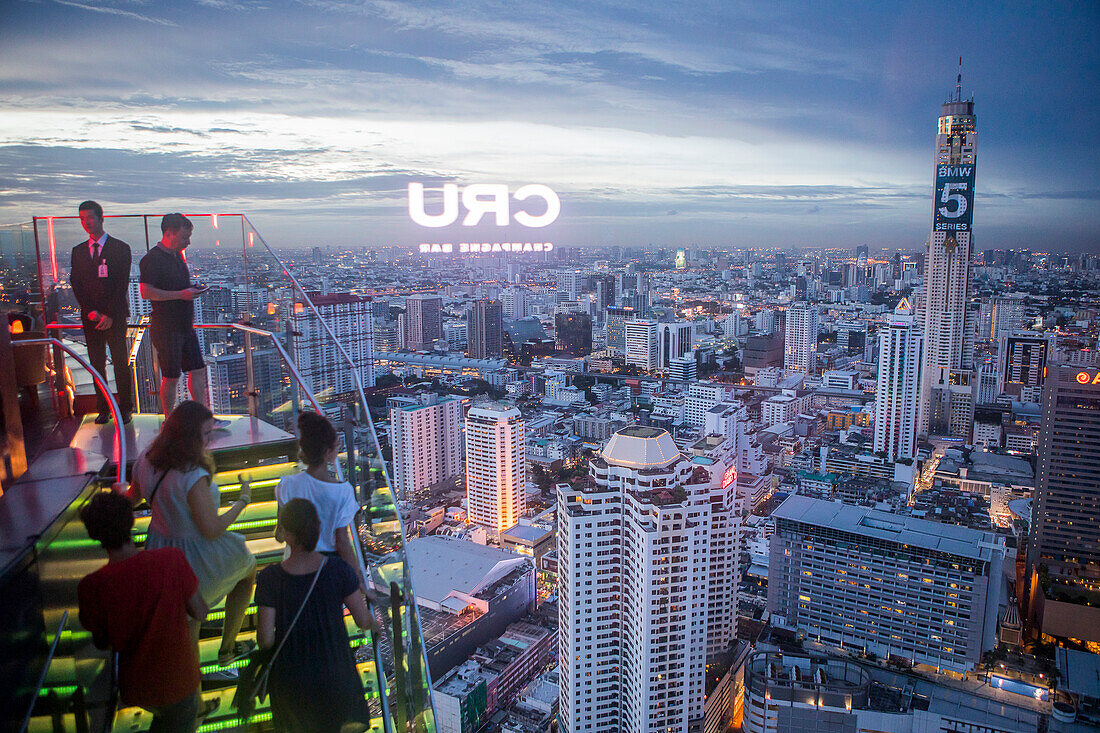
(329, 336)
(333, 356)
(19, 288)
(58, 235)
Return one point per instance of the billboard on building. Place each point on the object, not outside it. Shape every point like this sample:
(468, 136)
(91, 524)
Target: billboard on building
(953, 208)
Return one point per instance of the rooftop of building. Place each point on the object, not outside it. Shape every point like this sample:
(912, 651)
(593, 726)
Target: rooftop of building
(441, 360)
(984, 465)
(526, 532)
(929, 535)
(418, 405)
(944, 504)
(640, 446)
(494, 410)
(442, 565)
(1079, 672)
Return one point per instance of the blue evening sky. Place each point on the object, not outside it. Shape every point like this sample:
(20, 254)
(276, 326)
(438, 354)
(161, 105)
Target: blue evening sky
(710, 123)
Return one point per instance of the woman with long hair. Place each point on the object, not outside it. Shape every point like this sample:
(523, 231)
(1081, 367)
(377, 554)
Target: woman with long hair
(334, 500)
(175, 475)
(314, 685)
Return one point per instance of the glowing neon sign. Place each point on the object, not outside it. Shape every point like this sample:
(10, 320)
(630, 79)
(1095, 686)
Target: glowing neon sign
(1086, 378)
(480, 199)
(475, 247)
(729, 477)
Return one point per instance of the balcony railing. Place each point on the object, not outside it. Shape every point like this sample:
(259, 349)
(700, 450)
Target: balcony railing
(256, 323)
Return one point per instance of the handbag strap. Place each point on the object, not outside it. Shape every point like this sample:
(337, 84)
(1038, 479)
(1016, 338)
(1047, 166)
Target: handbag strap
(156, 486)
(300, 609)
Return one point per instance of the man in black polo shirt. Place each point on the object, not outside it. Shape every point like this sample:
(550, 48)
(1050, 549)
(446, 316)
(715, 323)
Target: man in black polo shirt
(166, 281)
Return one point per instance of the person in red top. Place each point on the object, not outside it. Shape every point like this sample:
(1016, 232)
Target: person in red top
(138, 604)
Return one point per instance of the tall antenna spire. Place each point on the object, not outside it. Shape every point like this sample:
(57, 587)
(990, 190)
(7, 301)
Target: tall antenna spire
(959, 82)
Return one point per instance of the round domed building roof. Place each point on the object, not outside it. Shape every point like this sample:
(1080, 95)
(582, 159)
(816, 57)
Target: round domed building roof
(638, 446)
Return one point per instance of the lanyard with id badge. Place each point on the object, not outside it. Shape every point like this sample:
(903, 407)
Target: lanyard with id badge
(101, 265)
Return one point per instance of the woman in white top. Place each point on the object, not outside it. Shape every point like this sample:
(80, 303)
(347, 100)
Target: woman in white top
(335, 500)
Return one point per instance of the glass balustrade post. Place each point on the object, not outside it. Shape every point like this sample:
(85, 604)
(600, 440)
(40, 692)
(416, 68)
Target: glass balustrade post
(250, 373)
(349, 444)
(400, 703)
(288, 335)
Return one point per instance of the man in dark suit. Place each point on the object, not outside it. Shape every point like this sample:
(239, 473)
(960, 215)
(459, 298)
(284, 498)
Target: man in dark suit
(100, 276)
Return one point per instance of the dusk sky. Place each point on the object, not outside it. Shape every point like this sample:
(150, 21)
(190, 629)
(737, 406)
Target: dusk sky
(708, 123)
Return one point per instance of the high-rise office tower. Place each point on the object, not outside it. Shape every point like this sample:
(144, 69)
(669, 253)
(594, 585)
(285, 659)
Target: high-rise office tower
(229, 387)
(616, 327)
(604, 288)
(570, 284)
(634, 300)
(844, 331)
(495, 466)
(423, 320)
(901, 348)
(1063, 553)
(319, 361)
(643, 546)
(947, 405)
(385, 335)
(701, 398)
(484, 330)
(1008, 316)
(985, 384)
(456, 334)
(641, 344)
(516, 302)
(984, 326)
(673, 341)
(861, 255)
(891, 584)
(573, 333)
(799, 288)
(764, 320)
(733, 326)
(427, 444)
(800, 338)
(1023, 364)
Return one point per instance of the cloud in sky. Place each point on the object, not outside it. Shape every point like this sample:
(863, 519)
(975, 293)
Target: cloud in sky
(714, 122)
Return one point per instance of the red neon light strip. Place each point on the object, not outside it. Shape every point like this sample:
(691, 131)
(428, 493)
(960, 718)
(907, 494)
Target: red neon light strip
(53, 247)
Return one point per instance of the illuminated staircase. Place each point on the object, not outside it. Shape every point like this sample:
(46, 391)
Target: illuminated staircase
(47, 661)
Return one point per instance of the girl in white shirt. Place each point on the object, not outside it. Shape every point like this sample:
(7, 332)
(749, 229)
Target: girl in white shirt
(335, 500)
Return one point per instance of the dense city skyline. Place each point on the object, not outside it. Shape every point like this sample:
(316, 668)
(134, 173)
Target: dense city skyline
(741, 127)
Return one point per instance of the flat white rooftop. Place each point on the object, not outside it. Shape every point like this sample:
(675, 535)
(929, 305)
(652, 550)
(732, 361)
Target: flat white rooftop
(923, 533)
(442, 566)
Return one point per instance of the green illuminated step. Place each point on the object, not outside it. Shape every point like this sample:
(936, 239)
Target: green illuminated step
(260, 477)
(208, 648)
(132, 720)
(258, 516)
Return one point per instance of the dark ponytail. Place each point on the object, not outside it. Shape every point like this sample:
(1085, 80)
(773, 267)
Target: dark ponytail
(315, 436)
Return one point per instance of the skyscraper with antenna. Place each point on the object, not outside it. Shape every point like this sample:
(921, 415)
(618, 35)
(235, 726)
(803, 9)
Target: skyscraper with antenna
(947, 405)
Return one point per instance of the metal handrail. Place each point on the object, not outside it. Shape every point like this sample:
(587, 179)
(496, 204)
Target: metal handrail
(101, 383)
(332, 335)
(346, 357)
(245, 329)
(316, 406)
(45, 668)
